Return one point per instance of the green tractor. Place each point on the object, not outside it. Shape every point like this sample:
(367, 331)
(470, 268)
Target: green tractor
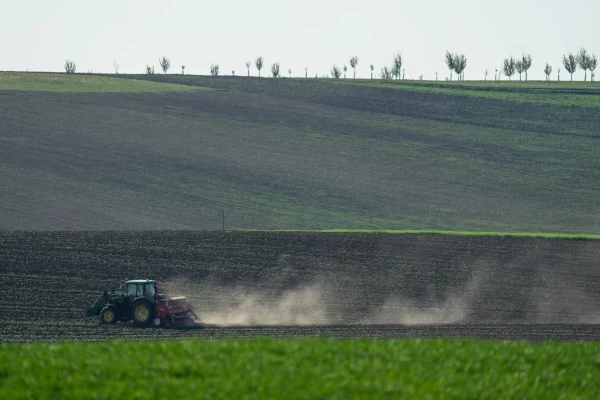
(139, 300)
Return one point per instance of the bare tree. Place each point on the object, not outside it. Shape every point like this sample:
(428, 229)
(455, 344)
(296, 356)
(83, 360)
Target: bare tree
(149, 70)
(116, 67)
(450, 62)
(519, 67)
(570, 64)
(259, 62)
(527, 60)
(345, 69)
(386, 73)
(486, 74)
(290, 72)
(509, 67)
(460, 63)
(395, 71)
(165, 64)
(583, 61)
(397, 65)
(306, 72)
(70, 67)
(372, 68)
(248, 64)
(548, 71)
(593, 64)
(336, 72)
(214, 70)
(353, 63)
(183, 70)
(275, 69)
(559, 74)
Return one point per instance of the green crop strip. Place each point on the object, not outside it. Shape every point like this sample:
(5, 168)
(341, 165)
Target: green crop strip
(51, 82)
(300, 369)
(569, 94)
(452, 233)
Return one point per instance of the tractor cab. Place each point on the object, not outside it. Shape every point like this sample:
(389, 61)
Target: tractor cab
(141, 288)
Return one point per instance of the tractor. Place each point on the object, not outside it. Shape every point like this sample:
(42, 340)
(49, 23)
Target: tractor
(139, 300)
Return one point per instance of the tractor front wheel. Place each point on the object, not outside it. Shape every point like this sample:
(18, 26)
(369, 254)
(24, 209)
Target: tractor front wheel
(108, 315)
(141, 312)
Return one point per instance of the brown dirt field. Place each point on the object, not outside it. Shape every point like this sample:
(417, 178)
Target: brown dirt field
(284, 284)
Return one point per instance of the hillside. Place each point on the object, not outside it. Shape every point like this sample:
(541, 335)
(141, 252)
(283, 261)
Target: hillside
(296, 154)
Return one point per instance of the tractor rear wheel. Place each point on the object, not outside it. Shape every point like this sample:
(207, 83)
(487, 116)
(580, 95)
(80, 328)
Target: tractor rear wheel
(108, 315)
(141, 312)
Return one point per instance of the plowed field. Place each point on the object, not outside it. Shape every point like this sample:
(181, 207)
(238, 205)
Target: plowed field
(285, 284)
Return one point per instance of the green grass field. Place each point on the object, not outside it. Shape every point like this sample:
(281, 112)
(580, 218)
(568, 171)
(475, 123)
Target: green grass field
(303, 369)
(467, 233)
(299, 154)
(84, 83)
(567, 94)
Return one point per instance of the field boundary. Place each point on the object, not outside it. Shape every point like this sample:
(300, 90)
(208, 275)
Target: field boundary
(536, 235)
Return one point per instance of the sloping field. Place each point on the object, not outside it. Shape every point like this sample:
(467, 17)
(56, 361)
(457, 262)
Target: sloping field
(296, 154)
(286, 284)
(85, 83)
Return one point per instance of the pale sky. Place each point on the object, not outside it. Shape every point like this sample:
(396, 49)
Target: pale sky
(39, 35)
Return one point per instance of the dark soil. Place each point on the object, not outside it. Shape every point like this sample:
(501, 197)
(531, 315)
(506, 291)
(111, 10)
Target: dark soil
(246, 284)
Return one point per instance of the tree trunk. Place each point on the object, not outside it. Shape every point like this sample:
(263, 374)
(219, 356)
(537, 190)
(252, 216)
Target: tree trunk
(355, 73)
(571, 77)
(450, 75)
(525, 76)
(585, 75)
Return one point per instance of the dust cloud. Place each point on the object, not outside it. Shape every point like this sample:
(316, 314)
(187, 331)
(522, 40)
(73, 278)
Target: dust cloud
(317, 303)
(505, 288)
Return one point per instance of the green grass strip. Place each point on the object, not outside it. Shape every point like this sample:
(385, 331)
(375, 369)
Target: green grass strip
(569, 94)
(55, 82)
(301, 369)
(574, 236)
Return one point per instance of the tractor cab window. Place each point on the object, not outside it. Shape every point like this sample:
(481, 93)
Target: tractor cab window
(131, 289)
(150, 292)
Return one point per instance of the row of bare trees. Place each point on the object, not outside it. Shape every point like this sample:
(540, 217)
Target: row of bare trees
(455, 62)
(583, 60)
(512, 65)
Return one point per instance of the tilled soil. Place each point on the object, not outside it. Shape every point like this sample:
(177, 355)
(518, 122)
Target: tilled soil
(284, 284)
(93, 331)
